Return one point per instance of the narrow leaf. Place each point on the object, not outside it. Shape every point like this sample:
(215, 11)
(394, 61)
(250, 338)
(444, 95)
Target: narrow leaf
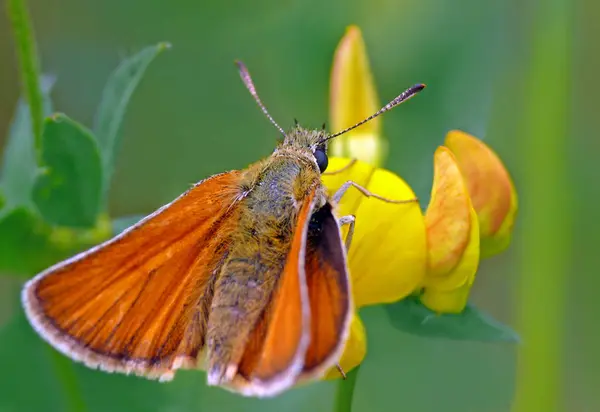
(117, 92)
(121, 223)
(19, 165)
(68, 192)
(29, 66)
(411, 316)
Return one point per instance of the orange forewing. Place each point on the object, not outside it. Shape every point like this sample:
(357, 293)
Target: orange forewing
(275, 351)
(328, 291)
(138, 302)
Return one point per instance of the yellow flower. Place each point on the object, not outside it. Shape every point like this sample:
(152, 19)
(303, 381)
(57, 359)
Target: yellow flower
(396, 249)
(384, 265)
(471, 213)
(388, 256)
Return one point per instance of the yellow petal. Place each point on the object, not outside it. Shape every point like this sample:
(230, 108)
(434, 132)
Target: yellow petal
(341, 170)
(354, 349)
(353, 98)
(491, 189)
(446, 301)
(441, 298)
(388, 255)
(448, 221)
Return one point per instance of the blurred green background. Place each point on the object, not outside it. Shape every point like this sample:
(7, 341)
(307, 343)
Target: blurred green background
(518, 74)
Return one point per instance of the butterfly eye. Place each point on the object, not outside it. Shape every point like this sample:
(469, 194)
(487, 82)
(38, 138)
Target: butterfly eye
(322, 160)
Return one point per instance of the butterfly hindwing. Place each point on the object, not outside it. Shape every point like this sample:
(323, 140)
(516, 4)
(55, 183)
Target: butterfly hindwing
(302, 333)
(328, 291)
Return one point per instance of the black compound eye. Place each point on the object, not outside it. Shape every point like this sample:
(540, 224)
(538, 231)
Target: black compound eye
(322, 160)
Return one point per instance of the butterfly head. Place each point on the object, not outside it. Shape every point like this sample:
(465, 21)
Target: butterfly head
(307, 140)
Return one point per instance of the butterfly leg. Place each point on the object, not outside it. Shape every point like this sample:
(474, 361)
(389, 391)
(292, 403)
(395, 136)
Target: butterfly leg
(348, 166)
(349, 220)
(341, 371)
(344, 188)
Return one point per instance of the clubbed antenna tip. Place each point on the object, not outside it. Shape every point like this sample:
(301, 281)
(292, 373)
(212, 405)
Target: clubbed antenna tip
(401, 98)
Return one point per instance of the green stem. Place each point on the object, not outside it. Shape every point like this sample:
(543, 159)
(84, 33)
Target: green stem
(66, 375)
(29, 65)
(345, 391)
(546, 213)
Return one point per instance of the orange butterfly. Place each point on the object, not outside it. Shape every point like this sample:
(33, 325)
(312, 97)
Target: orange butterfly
(244, 275)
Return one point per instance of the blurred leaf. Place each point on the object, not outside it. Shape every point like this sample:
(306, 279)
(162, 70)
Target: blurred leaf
(68, 193)
(25, 243)
(19, 165)
(29, 245)
(411, 316)
(29, 66)
(121, 223)
(117, 92)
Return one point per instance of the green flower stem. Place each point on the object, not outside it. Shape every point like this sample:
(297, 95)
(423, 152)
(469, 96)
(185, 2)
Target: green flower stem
(66, 375)
(29, 65)
(345, 391)
(546, 213)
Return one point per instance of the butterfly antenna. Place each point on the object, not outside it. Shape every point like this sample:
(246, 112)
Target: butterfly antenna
(404, 96)
(245, 75)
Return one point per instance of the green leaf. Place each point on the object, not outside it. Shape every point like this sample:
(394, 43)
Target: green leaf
(411, 316)
(29, 244)
(121, 223)
(68, 193)
(19, 166)
(25, 243)
(29, 66)
(115, 97)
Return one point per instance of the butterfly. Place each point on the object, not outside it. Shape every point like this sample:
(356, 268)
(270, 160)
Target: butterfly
(244, 275)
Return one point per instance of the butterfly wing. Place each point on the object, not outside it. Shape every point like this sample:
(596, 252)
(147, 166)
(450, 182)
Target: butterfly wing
(302, 333)
(138, 303)
(328, 292)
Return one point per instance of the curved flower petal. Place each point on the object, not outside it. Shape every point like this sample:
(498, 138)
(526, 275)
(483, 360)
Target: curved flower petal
(444, 299)
(353, 98)
(339, 171)
(388, 254)
(354, 349)
(490, 187)
(448, 222)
